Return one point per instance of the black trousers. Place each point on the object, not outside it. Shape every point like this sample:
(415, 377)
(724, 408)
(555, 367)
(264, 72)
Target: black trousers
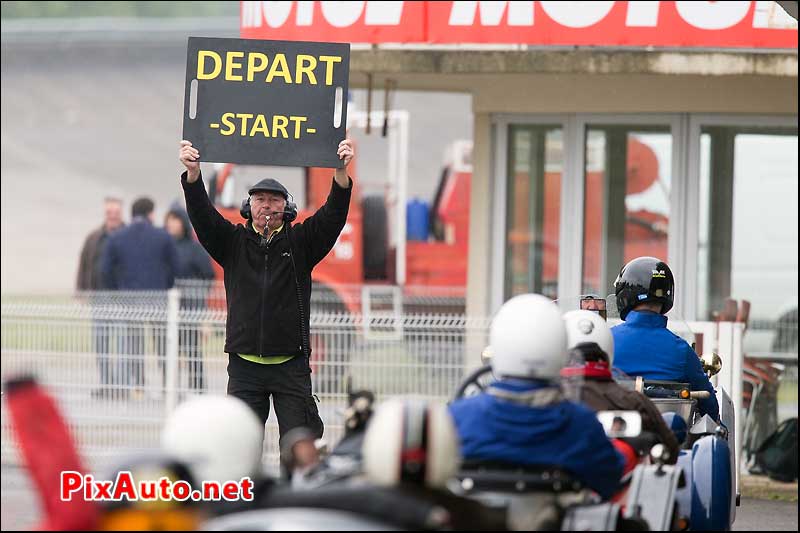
(288, 383)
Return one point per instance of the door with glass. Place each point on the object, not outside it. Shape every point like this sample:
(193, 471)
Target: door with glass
(627, 199)
(533, 192)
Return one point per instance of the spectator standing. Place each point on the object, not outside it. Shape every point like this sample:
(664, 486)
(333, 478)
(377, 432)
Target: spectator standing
(194, 276)
(90, 279)
(140, 257)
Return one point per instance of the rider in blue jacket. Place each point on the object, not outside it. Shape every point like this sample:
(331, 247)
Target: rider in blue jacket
(643, 346)
(523, 418)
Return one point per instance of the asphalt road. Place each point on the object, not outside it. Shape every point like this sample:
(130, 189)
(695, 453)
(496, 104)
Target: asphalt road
(766, 515)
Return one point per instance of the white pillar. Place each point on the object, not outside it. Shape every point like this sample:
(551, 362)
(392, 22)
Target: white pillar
(173, 316)
(730, 378)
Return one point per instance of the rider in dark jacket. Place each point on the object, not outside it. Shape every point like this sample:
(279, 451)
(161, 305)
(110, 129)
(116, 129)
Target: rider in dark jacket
(591, 358)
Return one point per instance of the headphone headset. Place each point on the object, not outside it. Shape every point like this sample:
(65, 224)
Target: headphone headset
(289, 212)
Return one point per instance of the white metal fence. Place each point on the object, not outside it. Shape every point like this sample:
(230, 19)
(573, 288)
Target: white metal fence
(118, 362)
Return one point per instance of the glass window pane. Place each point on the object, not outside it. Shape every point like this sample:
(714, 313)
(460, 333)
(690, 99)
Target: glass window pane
(628, 176)
(534, 189)
(747, 242)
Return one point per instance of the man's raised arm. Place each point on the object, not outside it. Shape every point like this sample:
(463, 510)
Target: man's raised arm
(324, 226)
(214, 232)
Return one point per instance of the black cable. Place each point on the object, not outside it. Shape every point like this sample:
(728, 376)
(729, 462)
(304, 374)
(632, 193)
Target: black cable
(304, 333)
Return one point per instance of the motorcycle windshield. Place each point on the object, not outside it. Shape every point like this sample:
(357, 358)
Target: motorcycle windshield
(587, 302)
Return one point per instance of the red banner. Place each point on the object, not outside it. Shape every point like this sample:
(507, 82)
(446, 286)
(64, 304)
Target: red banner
(687, 24)
(346, 22)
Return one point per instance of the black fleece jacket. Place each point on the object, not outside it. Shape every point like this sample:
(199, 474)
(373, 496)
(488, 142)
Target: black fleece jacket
(266, 316)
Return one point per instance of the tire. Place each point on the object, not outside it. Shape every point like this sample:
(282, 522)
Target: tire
(375, 233)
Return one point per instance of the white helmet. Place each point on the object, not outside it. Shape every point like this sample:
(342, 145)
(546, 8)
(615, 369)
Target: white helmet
(584, 327)
(409, 441)
(528, 339)
(220, 437)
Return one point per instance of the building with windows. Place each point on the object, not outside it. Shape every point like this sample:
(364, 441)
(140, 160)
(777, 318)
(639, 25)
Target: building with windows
(603, 131)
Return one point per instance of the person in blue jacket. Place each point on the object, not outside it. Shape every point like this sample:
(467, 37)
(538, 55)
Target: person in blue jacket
(523, 418)
(139, 257)
(643, 346)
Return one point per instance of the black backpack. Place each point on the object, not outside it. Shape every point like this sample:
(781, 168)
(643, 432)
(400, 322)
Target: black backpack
(777, 456)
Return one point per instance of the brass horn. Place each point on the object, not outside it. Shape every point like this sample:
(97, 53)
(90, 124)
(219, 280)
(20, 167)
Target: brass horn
(712, 363)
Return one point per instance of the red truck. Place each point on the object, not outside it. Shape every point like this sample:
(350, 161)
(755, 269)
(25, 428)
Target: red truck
(438, 265)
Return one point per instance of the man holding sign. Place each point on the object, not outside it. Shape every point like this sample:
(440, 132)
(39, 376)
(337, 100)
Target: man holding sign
(268, 263)
(260, 102)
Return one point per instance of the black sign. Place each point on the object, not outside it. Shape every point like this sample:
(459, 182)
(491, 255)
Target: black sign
(266, 102)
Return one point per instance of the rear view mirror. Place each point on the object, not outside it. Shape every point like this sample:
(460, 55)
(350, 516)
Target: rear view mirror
(594, 304)
(621, 423)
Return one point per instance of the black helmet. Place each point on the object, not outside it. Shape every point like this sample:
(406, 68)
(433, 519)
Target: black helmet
(645, 279)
